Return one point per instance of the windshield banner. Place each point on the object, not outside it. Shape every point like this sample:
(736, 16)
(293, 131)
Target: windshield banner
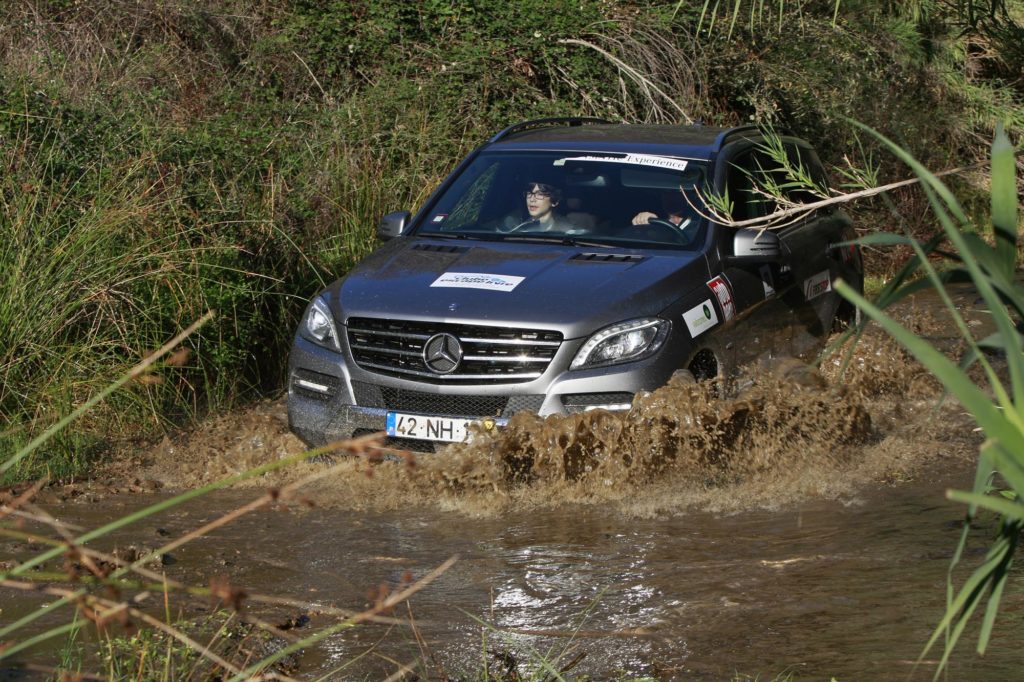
(634, 159)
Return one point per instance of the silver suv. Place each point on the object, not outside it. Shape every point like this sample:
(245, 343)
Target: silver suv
(563, 266)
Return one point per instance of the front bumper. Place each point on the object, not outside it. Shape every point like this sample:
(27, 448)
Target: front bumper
(331, 399)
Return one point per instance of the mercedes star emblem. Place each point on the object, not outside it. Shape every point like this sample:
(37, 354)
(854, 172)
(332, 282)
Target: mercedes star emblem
(442, 353)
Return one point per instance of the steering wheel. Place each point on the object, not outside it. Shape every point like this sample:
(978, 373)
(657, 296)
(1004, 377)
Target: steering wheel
(665, 226)
(520, 226)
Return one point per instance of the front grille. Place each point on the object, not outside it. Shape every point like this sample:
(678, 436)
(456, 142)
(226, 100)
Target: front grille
(489, 354)
(518, 403)
(453, 405)
(405, 400)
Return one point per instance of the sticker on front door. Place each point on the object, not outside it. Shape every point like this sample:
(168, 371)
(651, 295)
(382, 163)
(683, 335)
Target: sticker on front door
(723, 292)
(700, 318)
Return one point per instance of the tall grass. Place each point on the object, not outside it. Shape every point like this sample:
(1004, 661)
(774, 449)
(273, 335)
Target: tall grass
(99, 270)
(998, 404)
(118, 228)
(757, 15)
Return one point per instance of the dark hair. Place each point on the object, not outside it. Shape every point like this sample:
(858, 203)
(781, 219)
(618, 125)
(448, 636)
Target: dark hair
(674, 202)
(555, 192)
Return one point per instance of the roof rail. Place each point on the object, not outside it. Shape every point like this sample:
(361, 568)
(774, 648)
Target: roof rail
(542, 122)
(720, 140)
(726, 134)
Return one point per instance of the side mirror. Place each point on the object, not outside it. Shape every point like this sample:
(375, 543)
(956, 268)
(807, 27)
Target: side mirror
(754, 246)
(392, 225)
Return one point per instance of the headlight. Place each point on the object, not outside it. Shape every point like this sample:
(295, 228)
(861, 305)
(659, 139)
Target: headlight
(319, 324)
(623, 342)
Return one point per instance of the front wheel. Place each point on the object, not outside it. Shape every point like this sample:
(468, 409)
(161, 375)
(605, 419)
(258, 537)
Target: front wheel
(847, 315)
(704, 366)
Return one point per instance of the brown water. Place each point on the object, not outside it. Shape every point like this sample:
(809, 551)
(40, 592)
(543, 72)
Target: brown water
(848, 588)
(796, 522)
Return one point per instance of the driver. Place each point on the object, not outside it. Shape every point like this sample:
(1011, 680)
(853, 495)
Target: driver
(541, 201)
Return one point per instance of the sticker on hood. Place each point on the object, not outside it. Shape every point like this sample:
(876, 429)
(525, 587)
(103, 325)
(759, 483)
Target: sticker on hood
(633, 159)
(477, 280)
(723, 292)
(700, 318)
(817, 285)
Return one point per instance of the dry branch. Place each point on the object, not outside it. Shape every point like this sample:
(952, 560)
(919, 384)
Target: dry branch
(646, 85)
(774, 221)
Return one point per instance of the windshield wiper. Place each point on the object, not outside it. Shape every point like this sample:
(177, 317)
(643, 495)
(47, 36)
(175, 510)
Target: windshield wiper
(565, 240)
(558, 239)
(458, 235)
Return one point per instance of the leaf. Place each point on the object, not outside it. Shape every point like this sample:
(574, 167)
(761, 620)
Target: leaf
(879, 239)
(1010, 510)
(955, 380)
(935, 190)
(1009, 464)
(1011, 531)
(906, 272)
(983, 254)
(1004, 200)
(993, 342)
(967, 599)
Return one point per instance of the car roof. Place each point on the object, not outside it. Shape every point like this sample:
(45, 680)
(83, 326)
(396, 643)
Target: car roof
(693, 141)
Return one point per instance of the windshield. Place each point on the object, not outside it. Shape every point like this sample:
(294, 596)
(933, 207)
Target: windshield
(599, 198)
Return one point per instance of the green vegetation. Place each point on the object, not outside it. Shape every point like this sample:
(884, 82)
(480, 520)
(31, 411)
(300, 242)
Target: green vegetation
(162, 159)
(997, 400)
(155, 655)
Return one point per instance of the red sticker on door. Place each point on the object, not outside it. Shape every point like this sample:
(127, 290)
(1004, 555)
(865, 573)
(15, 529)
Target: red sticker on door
(723, 292)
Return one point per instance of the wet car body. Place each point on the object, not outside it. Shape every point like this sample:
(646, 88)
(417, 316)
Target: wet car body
(466, 315)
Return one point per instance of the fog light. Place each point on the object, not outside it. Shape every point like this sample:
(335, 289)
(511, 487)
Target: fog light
(614, 407)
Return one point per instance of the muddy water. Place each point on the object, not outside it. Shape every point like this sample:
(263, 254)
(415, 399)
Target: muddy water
(792, 522)
(847, 588)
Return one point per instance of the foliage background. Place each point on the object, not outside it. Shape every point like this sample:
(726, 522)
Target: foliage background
(164, 157)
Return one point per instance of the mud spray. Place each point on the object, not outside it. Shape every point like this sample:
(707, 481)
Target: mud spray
(780, 433)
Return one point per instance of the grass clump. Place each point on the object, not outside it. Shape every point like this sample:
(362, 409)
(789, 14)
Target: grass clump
(145, 654)
(100, 268)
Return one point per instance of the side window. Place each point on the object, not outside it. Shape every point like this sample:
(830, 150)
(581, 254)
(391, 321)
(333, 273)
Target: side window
(744, 174)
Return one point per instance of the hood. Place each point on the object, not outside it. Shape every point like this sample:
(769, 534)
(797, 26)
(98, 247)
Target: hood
(575, 290)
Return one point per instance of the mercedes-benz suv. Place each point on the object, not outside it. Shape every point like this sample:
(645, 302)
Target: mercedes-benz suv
(564, 266)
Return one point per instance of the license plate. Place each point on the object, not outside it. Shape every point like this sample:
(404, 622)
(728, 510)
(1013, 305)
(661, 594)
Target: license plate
(424, 427)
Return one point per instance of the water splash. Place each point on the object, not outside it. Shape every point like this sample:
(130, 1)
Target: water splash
(780, 432)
